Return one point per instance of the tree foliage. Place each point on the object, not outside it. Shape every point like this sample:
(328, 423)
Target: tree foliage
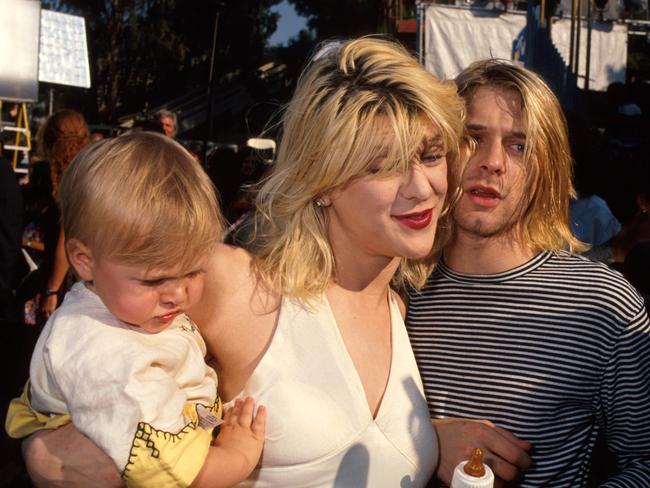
(342, 18)
(144, 52)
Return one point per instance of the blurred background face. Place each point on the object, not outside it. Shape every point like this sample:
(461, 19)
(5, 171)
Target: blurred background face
(168, 126)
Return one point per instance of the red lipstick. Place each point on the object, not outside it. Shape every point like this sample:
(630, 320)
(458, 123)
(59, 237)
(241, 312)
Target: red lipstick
(416, 220)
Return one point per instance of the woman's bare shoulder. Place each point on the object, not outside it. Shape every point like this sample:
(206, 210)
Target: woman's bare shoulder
(233, 292)
(226, 274)
(226, 259)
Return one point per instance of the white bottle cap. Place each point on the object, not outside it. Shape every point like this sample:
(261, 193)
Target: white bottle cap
(463, 480)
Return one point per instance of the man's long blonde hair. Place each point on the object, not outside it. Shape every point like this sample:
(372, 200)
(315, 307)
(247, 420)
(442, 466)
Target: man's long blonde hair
(547, 156)
(333, 129)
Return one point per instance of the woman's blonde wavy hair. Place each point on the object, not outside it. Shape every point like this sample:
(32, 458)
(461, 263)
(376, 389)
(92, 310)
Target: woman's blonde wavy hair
(547, 156)
(333, 129)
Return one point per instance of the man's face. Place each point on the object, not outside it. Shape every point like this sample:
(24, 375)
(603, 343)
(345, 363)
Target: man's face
(168, 126)
(494, 178)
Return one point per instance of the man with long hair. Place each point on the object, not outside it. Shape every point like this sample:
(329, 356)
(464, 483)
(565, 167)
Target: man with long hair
(515, 327)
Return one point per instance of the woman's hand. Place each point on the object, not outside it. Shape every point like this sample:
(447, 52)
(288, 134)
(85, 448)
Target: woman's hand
(66, 458)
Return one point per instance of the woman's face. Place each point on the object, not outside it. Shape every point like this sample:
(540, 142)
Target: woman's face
(391, 215)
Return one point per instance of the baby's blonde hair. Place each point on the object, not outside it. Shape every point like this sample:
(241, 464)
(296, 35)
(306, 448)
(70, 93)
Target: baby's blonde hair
(547, 156)
(355, 100)
(142, 199)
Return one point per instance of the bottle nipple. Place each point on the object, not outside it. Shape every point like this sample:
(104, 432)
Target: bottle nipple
(474, 467)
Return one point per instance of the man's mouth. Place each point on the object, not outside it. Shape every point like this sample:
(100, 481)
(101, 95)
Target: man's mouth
(483, 196)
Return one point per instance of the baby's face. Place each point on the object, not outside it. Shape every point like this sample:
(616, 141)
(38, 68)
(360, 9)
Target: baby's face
(143, 297)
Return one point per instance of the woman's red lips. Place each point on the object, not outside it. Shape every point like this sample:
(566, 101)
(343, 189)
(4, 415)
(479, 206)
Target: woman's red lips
(416, 220)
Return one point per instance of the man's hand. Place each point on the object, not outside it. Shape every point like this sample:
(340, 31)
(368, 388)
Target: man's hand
(506, 454)
(66, 458)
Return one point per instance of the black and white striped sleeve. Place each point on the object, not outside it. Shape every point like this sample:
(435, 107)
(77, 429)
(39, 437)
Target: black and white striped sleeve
(625, 404)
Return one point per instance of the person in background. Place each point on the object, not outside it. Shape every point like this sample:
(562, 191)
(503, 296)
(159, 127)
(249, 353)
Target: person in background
(592, 220)
(65, 134)
(521, 342)
(637, 228)
(97, 136)
(252, 170)
(593, 223)
(168, 122)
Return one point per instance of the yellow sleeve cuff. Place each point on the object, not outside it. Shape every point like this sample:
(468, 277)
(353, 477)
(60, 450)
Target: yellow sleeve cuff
(160, 458)
(22, 420)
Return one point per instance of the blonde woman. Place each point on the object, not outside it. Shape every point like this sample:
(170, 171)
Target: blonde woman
(308, 322)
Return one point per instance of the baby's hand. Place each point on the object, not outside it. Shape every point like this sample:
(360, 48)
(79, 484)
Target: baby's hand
(236, 449)
(243, 432)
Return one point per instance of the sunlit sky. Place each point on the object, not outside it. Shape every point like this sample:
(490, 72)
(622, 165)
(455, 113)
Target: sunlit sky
(289, 24)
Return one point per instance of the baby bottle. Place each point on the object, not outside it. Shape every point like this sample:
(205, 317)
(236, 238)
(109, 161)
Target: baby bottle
(473, 473)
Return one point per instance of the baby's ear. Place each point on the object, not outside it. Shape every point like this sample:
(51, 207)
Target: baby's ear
(81, 258)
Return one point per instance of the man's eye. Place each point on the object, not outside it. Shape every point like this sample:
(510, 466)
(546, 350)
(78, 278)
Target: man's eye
(519, 147)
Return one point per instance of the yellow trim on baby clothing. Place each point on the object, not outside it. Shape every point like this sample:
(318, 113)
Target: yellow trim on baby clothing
(160, 458)
(22, 420)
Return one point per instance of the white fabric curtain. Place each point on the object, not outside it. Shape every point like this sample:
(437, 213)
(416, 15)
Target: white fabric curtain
(456, 37)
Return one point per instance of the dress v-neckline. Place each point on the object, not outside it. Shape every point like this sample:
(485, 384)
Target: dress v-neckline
(355, 378)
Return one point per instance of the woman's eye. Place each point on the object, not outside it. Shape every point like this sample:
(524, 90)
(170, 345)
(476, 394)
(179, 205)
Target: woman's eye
(432, 158)
(373, 170)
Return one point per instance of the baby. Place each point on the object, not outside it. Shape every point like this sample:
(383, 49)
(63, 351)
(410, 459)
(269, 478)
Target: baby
(119, 356)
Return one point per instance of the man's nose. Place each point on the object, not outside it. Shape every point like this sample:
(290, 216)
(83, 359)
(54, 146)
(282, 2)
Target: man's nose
(492, 157)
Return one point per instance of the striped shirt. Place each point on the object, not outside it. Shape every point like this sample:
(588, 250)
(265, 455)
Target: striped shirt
(556, 351)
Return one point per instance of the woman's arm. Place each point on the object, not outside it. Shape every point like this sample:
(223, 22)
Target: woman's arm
(57, 277)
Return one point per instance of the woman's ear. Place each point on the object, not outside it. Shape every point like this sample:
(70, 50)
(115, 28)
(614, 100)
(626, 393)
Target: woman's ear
(81, 258)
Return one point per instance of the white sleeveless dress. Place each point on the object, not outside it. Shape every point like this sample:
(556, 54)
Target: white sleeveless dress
(320, 431)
